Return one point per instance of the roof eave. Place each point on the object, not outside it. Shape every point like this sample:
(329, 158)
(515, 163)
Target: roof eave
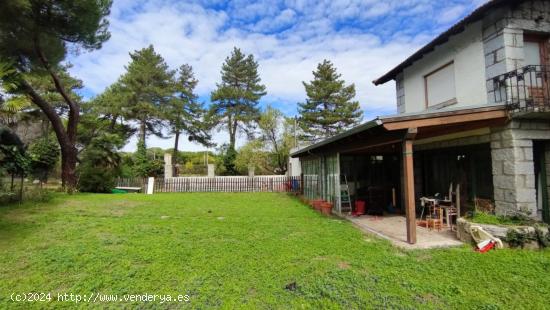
(440, 39)
(368, 125)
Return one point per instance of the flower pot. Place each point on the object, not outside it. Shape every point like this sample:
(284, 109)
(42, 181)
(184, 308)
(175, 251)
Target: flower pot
(326, 208)
(316, 204)
(359, 207)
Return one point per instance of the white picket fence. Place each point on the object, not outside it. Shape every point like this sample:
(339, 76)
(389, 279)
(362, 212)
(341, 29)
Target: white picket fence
(264, 183)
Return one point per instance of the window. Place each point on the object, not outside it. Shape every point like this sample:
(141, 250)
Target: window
(532, 53)
(535, 49)
(440, 86)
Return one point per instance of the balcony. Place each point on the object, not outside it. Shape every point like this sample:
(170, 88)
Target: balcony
(524, 90)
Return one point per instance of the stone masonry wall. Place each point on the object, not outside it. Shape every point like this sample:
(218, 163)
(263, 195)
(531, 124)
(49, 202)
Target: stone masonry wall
(512, 162)
(503, 31)
(513, 165)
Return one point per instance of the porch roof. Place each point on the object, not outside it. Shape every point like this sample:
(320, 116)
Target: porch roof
(385, 130)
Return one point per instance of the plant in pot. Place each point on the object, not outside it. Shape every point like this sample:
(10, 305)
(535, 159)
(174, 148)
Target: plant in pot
(326, 208)
(316, 204)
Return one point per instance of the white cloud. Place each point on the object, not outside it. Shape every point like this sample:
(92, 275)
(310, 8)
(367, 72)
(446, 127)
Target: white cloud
(451, 14)
(202, 36)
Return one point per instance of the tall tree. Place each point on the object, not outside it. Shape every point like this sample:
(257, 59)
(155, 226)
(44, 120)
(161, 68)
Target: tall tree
(185, 114)
(253, 154)
(329, 108)
(276, 133)
(148, 84)
(111, 104)
(235, 101)
(35, 36)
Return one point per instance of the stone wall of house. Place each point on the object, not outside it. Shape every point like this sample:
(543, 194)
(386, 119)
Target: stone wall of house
(502, 34)
(513, 165)
(512, 162)
(400, 93)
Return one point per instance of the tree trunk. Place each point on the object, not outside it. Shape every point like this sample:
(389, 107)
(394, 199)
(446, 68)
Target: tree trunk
(142, 130)
(113, 122)
(68, 167)
(232, 134)
(66, 141)
(66, 138)
(21, 188)
(175, 152)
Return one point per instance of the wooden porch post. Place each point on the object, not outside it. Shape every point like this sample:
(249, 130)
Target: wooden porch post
(408, 189)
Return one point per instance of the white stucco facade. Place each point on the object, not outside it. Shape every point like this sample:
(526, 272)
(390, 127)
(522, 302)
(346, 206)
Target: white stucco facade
(465, 50)
(294, 165)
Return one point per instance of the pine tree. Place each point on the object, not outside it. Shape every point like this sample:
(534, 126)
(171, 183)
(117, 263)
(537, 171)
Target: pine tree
(148, 83)
(236, 97)
(185, 114)
(35, 39)
(329, 108)
(142, 166)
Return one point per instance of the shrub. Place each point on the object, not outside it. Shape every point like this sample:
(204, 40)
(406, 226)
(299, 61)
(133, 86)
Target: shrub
(142, 166)
(37, 195)
(514, 219)
(96, 179)
(100, 165)
(516, 238)
(43, 157)
(8, 197)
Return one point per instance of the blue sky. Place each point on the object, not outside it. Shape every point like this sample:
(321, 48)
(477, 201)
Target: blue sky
(364, 39)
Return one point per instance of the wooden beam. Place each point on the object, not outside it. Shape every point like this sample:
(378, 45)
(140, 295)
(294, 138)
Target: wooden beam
(373, 140)
(435, 131)
(443, 120)
(408, 188)
(371, 146)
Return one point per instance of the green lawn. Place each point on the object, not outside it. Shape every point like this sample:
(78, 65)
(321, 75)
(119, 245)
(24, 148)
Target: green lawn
(241, 250)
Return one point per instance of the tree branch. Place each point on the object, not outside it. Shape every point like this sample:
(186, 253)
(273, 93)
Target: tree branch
(73, 106)
(48, 111)
(55, 78)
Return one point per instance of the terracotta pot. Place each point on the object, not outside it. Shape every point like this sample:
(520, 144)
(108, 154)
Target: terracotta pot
(316, 204)
(326, 208)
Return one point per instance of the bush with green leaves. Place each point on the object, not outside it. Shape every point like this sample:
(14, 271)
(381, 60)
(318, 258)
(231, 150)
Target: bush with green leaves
(37, 194)
(518, 238)
(228, 157)
(143, 166)
(100, 164)
(43, 155)
(13, 155)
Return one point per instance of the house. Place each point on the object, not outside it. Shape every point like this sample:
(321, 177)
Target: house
(473, 108)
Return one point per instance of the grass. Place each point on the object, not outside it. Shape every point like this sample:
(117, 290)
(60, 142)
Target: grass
(241, 251)
(484, 218)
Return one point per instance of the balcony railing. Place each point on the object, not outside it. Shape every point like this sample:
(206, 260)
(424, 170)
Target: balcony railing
(524, 89)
